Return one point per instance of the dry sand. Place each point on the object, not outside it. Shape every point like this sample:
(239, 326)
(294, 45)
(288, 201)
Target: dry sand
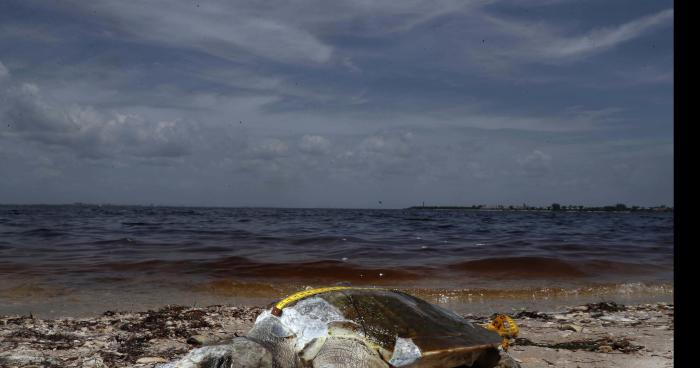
(594, 335)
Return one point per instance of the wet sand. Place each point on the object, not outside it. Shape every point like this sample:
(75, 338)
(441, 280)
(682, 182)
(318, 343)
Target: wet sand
(602, 334)
(49, 299)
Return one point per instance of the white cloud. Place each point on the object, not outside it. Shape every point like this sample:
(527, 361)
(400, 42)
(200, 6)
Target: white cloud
(394, 145)
(536, 163)
(270, 148)
(217, 28)
(4, 72)
(30, 89)
(87, 131)
(521, 41)
(605, 38)
(387, 153)
(314, 144)
(347, 62)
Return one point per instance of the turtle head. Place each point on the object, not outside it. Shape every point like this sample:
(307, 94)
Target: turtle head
(241, 352)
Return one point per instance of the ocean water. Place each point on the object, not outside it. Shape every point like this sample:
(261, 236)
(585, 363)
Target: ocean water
(73, 260)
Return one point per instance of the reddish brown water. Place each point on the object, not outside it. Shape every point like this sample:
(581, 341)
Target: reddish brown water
(69, 260)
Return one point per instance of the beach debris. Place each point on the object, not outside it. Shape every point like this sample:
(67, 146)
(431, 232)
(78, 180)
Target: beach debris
(342, 326)
(533, 315)
(615, 318)
(605, 349)
(505, 327)
(151, 360)
(201, 340)
(571, 327)
(27, 356)
(605, 307)
(162, 323)
(51, 340)
(580, 308)
(620, 344)
(134, 335)
(94, 361)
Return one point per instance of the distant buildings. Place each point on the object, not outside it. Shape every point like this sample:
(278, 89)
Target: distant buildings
(555, 207)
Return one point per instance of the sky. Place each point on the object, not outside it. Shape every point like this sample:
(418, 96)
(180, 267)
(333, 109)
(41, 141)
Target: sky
(360, 104)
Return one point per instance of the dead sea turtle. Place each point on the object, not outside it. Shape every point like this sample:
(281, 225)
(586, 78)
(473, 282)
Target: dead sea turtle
(353, 327)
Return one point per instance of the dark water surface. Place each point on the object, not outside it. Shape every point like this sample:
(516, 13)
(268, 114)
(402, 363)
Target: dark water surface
(60, 259)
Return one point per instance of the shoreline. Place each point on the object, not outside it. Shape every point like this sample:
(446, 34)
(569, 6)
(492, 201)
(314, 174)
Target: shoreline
(603, 334)
(54, 301)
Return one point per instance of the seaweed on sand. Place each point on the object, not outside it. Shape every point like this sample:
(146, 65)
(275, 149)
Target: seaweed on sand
(621, 344)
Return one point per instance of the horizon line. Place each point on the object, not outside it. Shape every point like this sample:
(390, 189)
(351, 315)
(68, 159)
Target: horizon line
(378, 207)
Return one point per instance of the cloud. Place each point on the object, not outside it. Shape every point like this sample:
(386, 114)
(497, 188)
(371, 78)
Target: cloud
(270, 148)
(86, 131)
(562, 120)
(383, 154)
(389, 145)
(314, 144)
(536, 163)
(522, 41)
(645, 75)
(332, 102)
(599, 40)
(476, 170)
(347, 62)
(4, 72)
(215, 27)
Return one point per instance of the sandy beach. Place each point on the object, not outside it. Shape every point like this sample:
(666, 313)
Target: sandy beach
(602, 334)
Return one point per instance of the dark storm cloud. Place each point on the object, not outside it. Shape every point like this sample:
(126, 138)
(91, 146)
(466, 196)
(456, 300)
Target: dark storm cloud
(336, 103)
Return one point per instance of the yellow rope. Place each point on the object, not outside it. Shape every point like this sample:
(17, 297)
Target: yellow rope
(277, 309)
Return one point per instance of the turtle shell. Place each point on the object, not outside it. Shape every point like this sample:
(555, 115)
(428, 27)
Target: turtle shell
(390, 320)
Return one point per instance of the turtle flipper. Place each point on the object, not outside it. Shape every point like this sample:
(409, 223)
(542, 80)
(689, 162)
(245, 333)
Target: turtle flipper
(340, 352)
(215, 356)
(242, 353)
(507, 361)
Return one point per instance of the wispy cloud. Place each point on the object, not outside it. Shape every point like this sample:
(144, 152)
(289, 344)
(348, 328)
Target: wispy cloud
(216, 28)
(524, 42)
(602, 39)
(4, 73)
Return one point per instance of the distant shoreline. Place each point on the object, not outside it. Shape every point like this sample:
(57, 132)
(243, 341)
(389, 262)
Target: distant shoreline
(545, 209)
(500, 208)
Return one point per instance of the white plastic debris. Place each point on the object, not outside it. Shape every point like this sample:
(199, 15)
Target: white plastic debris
(614, 318)
(308, 319)
(405, 352)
